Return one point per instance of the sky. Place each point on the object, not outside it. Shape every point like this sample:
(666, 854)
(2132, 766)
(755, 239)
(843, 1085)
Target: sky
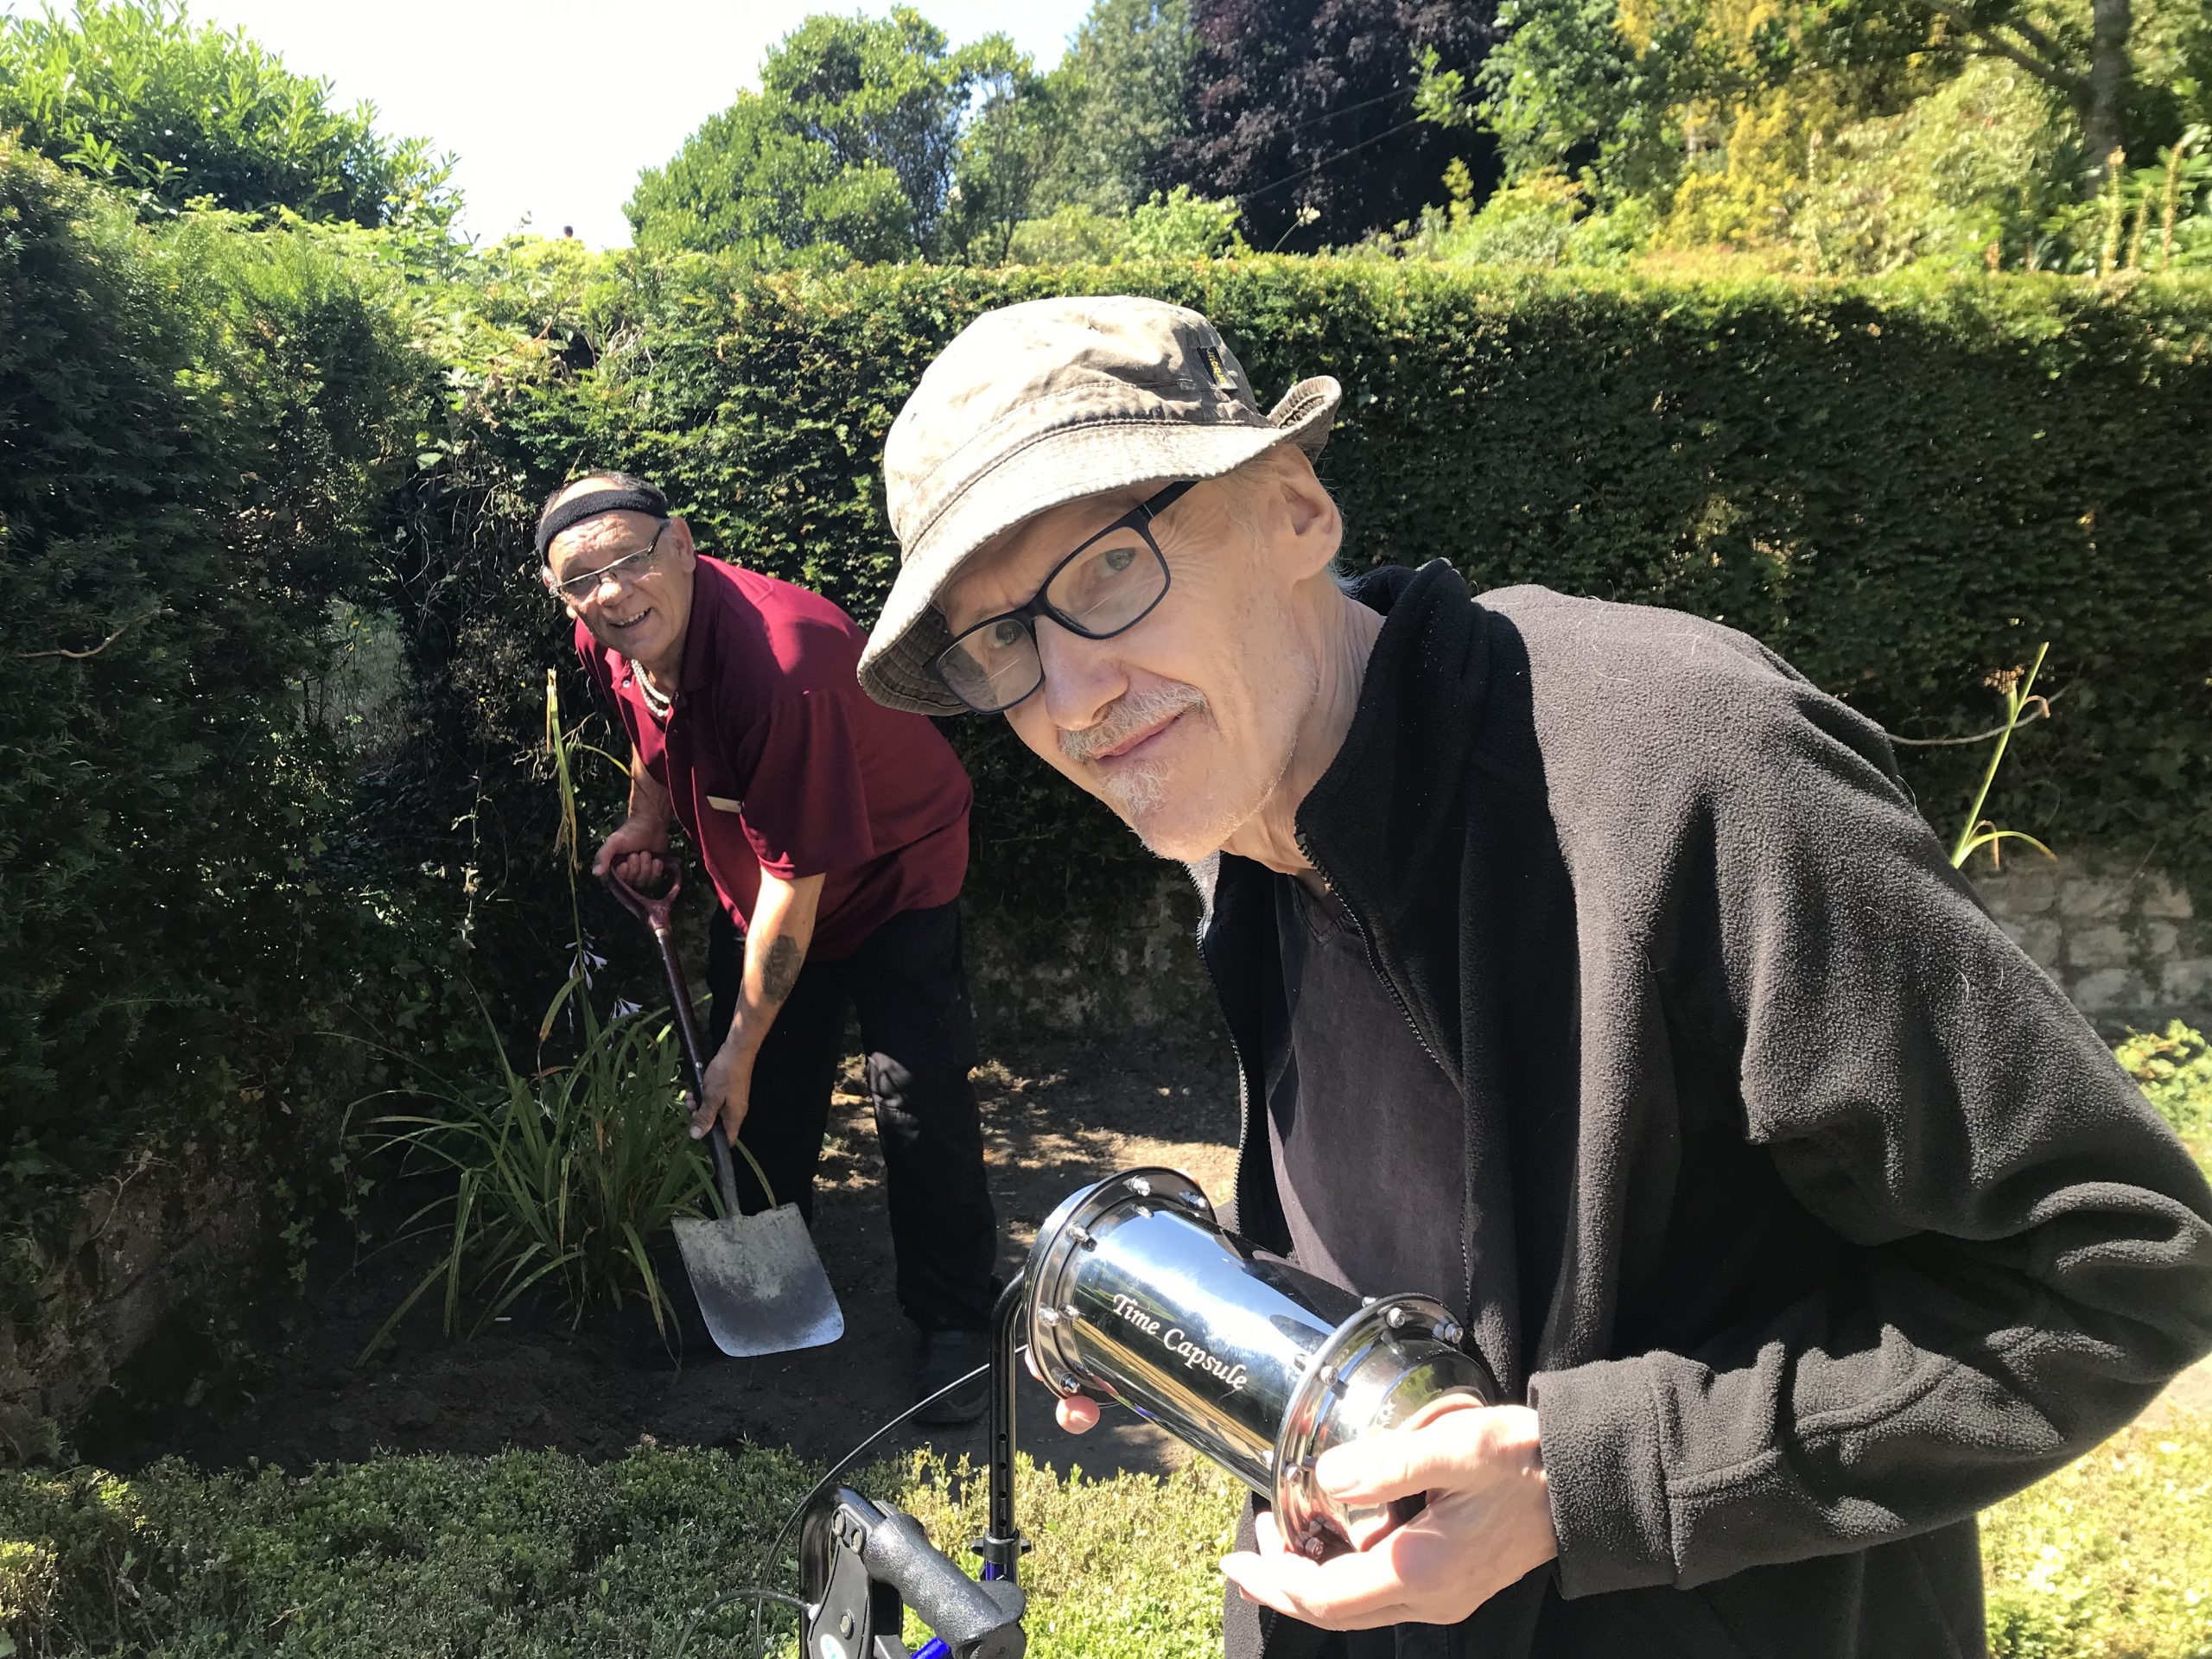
(553, 106)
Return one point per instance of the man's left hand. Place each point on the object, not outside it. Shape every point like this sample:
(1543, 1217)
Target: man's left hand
(1487, 1524)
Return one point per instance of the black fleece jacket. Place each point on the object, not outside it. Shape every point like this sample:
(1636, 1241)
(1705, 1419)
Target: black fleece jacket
(1808, 1214)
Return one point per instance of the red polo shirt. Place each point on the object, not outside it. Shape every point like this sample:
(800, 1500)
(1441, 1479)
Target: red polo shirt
(776, 759)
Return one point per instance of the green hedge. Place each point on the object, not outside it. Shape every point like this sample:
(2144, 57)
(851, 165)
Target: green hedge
(1903, 486)
(197, 428)
(530, 1555)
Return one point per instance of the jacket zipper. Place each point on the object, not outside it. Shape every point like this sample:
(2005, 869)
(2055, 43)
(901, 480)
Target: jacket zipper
(1238, 1194)
(1367, 945)
(1374, 966)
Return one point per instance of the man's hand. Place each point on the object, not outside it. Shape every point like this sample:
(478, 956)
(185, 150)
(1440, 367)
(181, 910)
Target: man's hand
(1487, 1524)
(1077, 1413)
(728, 1086)
(635, 853)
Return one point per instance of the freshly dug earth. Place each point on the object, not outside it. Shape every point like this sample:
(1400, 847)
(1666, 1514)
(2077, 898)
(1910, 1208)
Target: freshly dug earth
(1054, 1120)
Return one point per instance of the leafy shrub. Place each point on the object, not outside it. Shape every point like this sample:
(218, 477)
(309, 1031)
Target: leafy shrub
(1528, 222)
(2174, 1068)
(529, 1555)
(134, 93)
(200, 431)
(1971, 172)
(1179, 225)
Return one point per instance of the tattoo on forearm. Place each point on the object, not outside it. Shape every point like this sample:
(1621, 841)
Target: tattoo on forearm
(781, 971)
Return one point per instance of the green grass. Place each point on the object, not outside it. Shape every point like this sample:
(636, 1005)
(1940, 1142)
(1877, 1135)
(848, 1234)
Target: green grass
(530, 1556)
(2109, 1559)
(2173, 1067)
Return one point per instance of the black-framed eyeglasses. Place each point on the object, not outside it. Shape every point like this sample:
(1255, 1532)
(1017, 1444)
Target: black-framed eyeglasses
(1105, 587)
(629, 568)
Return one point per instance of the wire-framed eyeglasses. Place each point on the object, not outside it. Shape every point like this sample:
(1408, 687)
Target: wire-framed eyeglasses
(628, 568)
(1106, 587)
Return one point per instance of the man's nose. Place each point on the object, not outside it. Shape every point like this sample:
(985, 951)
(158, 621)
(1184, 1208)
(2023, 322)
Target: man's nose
(611, 585)
(1082, 678)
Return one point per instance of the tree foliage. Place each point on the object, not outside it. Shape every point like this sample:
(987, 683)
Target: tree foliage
(1304, 111)
(1126, 80)
(1016, 138)
(1868, 132)
(132, 92)
(853, 147)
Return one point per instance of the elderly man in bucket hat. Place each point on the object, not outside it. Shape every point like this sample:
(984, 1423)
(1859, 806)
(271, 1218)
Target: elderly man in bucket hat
(1586, 968)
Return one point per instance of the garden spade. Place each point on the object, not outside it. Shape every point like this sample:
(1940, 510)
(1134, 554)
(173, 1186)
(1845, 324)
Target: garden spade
(760, 1285)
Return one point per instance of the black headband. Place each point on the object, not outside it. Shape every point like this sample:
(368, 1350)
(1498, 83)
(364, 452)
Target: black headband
(576, 509)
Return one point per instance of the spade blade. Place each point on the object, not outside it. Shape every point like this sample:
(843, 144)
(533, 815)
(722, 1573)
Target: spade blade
(760, 1285)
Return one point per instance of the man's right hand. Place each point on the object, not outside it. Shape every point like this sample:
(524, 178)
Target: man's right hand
(636, 853)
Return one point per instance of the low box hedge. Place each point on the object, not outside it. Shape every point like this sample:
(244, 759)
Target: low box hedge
(533, 1554)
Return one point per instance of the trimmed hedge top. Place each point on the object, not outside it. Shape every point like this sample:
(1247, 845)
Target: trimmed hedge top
(1903, 486)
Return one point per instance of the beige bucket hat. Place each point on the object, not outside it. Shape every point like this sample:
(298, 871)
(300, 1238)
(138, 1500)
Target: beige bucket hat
(1043, 403)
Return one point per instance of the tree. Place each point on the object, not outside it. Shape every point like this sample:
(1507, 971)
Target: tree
(1653, 93)
(1015, 139)
(2094, 79)
(745, 181)
(1125, 84)
(848, 150)
(1304, 111)
(132, 92)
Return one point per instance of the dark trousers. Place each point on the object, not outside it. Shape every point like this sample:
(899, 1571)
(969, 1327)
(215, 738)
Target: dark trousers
(909, 986)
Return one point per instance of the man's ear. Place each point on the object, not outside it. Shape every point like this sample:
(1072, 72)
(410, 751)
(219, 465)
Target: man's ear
(1307, 511)
(679, 534)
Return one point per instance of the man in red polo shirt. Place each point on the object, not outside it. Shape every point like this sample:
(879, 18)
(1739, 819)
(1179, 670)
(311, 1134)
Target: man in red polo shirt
(835, 834)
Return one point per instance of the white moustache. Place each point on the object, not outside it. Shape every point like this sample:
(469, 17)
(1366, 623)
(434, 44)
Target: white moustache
(1139, 711)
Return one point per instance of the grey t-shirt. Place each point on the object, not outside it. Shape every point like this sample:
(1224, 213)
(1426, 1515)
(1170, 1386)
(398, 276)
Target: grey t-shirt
(1349, 1082)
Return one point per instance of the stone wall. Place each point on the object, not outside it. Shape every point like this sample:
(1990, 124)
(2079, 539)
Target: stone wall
(168, 1239)
(2127, 943)
(1091, 980)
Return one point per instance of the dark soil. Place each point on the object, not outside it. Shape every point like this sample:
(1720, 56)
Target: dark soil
(292, 1395)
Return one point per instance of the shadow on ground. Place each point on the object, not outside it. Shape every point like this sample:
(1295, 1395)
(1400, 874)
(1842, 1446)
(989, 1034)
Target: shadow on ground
(1053, 1119)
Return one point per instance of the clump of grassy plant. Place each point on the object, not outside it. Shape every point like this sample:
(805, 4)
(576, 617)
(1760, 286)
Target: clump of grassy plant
(561, 1174)
(2021, 706)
